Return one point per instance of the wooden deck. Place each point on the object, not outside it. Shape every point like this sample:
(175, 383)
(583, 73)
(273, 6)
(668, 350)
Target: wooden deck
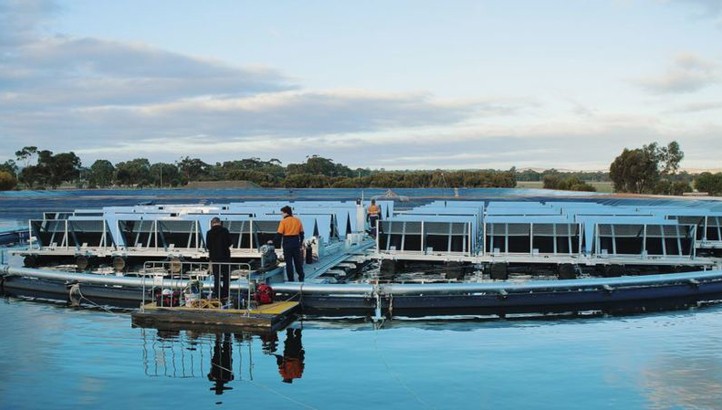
(264, 317)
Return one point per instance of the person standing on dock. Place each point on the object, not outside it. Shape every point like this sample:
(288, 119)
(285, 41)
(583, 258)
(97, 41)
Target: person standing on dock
(373, 214)
(290, 231)
(218, 242)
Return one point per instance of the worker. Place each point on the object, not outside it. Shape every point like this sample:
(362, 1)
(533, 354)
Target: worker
(218, 242)
(373, 214)
(290, 232)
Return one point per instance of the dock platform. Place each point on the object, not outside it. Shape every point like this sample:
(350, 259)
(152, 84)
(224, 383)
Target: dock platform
(272, 316)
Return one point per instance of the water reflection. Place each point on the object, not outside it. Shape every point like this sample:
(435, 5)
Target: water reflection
(291, 364)
(222, 363)
(691, 381)
(221, 358)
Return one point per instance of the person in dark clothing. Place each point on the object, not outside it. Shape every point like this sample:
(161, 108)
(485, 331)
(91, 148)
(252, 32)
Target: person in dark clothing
(218, 242)
(291, 364)
(290, 230)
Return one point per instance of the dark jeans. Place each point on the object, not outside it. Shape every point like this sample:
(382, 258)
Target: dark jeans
(372, 222)
(293, 258)
(221, 280)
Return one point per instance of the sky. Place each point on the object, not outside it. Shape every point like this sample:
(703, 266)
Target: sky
(392, 84)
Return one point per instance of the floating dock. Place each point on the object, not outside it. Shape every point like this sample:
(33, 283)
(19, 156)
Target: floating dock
(272, 316)
(457, 257)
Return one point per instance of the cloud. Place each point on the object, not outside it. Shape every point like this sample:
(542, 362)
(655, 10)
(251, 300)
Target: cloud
(707, 8)
(113, 100)
(102, 97)
(688, 74)
(86, 72)
(20, 20)
(269, 117)
(696, 107)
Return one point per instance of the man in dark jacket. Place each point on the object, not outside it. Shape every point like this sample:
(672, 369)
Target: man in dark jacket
(218, 242)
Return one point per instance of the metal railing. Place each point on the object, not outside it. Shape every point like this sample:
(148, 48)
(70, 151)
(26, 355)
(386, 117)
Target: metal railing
(179, 283)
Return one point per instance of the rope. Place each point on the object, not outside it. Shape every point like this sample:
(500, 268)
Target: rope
(281, 395)
(390, 370)
(75, 290)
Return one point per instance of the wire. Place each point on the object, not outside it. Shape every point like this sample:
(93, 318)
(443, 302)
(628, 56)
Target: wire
(390, 370)
(76, 288)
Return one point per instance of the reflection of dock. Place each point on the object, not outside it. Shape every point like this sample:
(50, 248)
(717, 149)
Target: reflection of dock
(271, 316)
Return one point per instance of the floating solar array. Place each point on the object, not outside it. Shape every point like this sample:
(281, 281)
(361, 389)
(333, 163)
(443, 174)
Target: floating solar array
(472, 229)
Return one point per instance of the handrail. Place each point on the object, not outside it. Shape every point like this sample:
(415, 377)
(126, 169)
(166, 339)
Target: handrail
(176, 274)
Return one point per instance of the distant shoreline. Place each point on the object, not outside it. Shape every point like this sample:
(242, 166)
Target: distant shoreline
(220, 184)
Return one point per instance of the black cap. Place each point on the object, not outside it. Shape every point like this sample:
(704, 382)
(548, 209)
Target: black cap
(287, 209)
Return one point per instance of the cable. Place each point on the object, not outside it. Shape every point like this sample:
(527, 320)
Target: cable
(391, 372)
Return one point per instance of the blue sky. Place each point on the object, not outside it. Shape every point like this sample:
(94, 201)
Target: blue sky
(373, 84)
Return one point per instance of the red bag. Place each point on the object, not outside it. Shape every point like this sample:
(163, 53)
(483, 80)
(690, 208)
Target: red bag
(264, 294)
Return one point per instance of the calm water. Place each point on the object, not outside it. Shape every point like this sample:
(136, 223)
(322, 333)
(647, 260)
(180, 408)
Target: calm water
(60, 358)
(53, 357)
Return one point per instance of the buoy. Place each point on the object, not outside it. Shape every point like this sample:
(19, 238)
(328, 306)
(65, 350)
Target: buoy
(82, 262)
(499, 271)
(566, 271)
(119, 264)
(74, 295)
(30, 261)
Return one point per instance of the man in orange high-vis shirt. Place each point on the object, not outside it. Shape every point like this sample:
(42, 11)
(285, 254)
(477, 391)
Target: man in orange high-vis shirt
(373, 214)
(290, 230)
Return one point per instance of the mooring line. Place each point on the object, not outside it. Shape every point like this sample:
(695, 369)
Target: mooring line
(76, 287)
(394, 374)
(279, 394)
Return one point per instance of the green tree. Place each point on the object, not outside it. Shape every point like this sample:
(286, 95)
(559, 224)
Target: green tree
(33, 177)
(26, 154)
(193, 169)
(133, 173)
(51, 170)
(640, 170)
(317, 165)
(709, 182)
(10, 167)
(634, 171)
(162, 174)
(568, 183)
(7, 181)
(101, 173)
(64, 167)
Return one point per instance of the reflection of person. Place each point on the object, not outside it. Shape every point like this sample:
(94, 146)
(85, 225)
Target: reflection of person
(222, 363)
(291, 365)
(291, 230)
(270, 342)
(218, 242)
(373, 214)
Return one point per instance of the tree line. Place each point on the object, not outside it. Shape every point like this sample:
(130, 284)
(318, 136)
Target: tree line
(36, 169)
(652, 169)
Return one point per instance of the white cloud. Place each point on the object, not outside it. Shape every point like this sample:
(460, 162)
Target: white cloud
(115, 100)
(20, 20)
(688, 74)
